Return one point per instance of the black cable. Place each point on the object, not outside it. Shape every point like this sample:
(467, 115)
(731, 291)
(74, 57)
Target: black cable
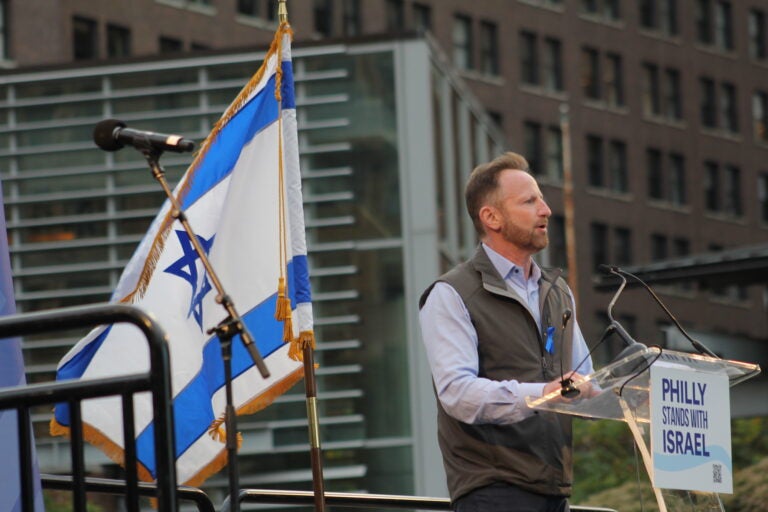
(696, 344)
(641, 370)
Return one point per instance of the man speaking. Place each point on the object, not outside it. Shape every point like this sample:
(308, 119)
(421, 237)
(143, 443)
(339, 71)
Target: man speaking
(498, 328)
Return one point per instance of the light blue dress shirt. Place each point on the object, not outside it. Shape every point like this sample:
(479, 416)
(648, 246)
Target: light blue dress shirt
(451, 345)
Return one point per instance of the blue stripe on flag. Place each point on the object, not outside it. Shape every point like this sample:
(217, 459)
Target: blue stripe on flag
(301, 276)
(191, 420)
(221, 157)
(286, 90)
(74, 369)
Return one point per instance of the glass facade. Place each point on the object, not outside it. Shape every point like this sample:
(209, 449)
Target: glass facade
(371, 175)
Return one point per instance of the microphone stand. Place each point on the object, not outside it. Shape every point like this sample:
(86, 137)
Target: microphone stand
(226, 330)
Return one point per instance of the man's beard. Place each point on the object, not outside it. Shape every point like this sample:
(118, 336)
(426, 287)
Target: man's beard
(530, 240)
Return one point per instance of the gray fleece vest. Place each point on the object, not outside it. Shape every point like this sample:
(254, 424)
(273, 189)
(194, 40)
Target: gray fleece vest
(534, 454)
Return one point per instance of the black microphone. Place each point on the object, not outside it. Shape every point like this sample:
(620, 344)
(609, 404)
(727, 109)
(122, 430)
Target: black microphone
(700, 347)
(112, 134)
(567, 389)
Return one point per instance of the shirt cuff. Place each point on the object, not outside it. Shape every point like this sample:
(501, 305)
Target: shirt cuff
(532, 389)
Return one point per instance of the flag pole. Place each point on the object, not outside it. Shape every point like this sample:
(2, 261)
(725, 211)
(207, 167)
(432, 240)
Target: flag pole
(310, 381)
(568, 206)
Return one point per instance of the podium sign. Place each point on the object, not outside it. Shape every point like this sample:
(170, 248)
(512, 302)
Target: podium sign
(690, 429)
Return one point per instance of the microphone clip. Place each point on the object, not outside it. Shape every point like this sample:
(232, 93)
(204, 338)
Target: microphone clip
(568, 389)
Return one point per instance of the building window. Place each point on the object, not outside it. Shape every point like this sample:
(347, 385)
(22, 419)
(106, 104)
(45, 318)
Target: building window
(762, 196)
(554, 153)
(118, 41)
(595, 161)
(673, 96)
(248, 7)
(558, 250)
(489, 48)
(615, 152)
(4, 49)
(653, 167)
(617, 166)
(708, 103)
(647, 13)
(622, 246)
(323, 13)
(659, 16)
(272, 11)
(529, 62)
(532, 144)
(711, 186)
(729, 106)
(351, 21)
(659, 247)
(395, 15)
(614, 80)
(602, 76)
(704, 24)
(662, 92)
(681, 247)
(544, 150)
(758, 41)
(553, 64)
(714, 23)
(550, 74)
(170, 44)
(590, 73)
(422, 18)
(606, 9)
(651, 90)
(462, 42)
(677, 188)
(497, 118)
(85, 41)
(760, 115)
(666, 177)
(732, 203)
(599, 239)
(723, 25)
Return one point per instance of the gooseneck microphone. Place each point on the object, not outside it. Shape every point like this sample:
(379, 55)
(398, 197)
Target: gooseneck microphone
(112, 134)
(700, 347)
(614, 326)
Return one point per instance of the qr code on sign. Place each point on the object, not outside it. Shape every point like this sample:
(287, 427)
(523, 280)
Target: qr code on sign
(717, 473)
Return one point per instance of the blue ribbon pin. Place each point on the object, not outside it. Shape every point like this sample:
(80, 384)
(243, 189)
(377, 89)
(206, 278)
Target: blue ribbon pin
(550, 345)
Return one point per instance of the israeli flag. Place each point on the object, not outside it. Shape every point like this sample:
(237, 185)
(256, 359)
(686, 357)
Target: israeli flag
(231, 196)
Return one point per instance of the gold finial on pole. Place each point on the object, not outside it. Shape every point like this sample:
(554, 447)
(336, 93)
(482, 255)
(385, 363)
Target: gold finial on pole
(282, 11)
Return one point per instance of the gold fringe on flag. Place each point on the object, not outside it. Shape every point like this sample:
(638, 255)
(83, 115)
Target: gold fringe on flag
(283, 308)
(305, 339)
(218, 431)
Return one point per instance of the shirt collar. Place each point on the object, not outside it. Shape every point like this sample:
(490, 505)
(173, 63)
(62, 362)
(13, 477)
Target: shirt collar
(505, 267)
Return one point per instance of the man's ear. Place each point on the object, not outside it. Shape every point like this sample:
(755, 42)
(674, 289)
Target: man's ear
(490, 218)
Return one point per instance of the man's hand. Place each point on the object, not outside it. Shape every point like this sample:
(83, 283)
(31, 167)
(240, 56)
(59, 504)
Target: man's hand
(586, 390)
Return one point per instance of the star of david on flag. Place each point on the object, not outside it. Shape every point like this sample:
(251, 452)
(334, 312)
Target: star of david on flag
(242, 197)
(186, 268)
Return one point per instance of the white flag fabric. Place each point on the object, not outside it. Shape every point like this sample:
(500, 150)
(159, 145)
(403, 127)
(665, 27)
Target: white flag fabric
(231, 197)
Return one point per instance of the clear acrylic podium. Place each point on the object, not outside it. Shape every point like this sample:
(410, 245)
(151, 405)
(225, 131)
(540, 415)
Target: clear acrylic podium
(621, 391)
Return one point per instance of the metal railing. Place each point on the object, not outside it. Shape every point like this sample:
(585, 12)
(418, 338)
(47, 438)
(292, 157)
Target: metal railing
(360, 500)
(156, 380)
(118, 487)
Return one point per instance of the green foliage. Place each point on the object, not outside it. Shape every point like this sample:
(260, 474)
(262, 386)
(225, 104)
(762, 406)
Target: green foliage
(606, 471)
(61, 501)
(603, 457)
